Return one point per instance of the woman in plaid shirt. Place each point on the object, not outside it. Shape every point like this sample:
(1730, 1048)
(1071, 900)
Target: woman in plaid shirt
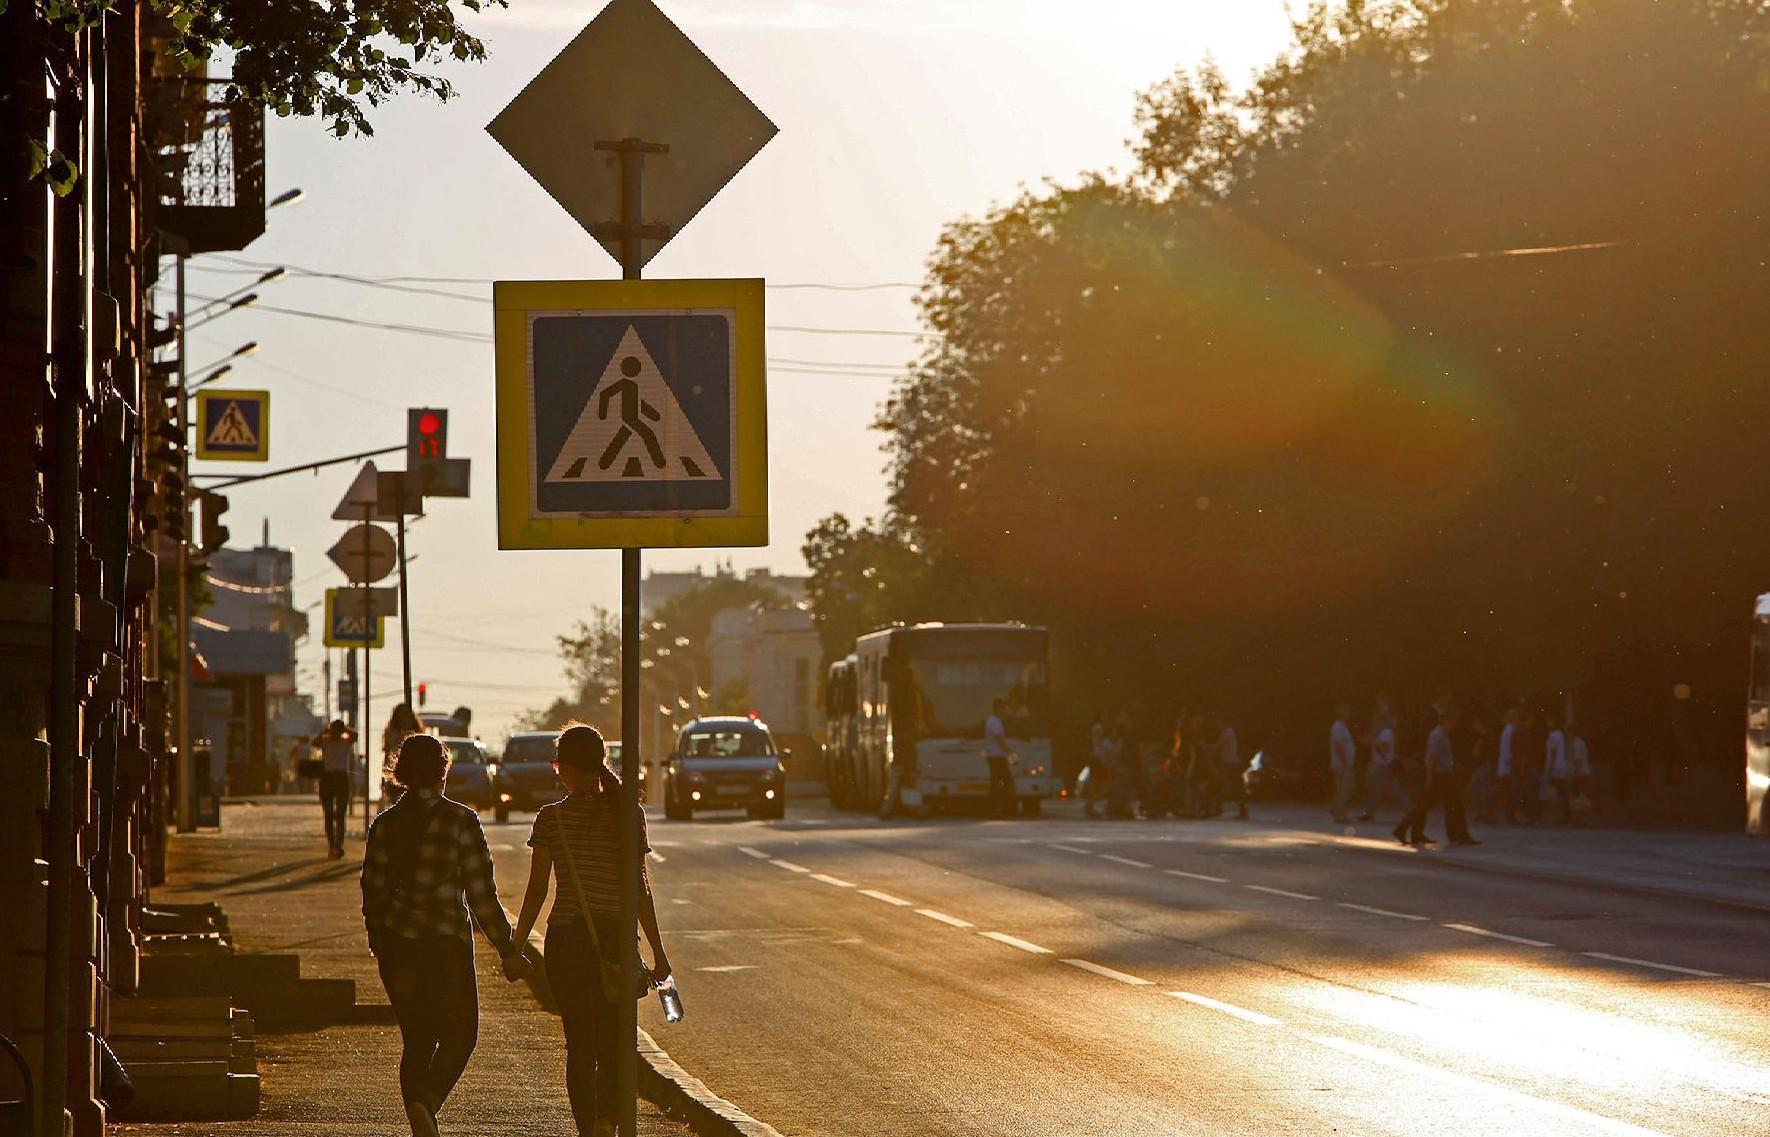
(426, 868)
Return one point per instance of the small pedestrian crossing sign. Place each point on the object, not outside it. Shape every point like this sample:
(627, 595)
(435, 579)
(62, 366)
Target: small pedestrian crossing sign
(233, 426)
(631, 414)
(346, 626)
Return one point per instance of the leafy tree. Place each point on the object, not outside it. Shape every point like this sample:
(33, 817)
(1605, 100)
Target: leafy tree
(318, 58)
(592, 654)
(1429, 358)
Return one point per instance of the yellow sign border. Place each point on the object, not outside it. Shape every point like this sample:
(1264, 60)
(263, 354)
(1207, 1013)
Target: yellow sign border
(746, 526)
(380, 639)
(208, 395)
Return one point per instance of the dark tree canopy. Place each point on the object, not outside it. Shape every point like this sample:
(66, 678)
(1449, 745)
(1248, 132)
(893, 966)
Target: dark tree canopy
(1305, 406)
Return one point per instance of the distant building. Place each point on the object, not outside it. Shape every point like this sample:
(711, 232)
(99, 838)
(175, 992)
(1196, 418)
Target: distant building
(661, 586)
(771, 655)
(245, 701)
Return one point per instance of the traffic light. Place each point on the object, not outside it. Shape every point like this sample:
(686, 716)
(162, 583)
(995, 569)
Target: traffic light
(427, 446)
(215, 534)
(423, 693)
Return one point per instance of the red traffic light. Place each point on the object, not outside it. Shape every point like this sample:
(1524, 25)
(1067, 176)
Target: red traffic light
(429, 423)
(427, 438)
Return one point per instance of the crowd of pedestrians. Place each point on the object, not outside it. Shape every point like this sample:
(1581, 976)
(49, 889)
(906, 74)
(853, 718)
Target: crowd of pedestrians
(1534, 768)
(1201, 773)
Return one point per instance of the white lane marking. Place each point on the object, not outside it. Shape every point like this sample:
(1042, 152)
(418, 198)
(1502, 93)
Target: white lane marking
(1409, 1066)
(657, 856)
(894, 901)
(1474, 931)
(1231, 1009)
(943, 918)
(1656, 966)
(749, 852)
(1764, 985)
(1015, 942)
(1281, 892)
(788, 865)
(1197, 876)
(835, 880)
(1383, 912)
(1073, 849)
(1108, 973)
(728, 967)
(1126, 861)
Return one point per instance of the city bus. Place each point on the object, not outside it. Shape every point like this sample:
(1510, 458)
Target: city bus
(914, 700)
(1757, 725)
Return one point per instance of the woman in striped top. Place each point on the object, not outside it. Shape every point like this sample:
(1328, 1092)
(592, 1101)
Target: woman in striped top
(578, 841)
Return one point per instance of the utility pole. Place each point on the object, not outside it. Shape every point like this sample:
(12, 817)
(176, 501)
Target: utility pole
(633, 230)
(187, 790)
(369, 624)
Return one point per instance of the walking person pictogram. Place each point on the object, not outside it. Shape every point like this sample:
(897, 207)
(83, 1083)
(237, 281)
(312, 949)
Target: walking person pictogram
(634, 411)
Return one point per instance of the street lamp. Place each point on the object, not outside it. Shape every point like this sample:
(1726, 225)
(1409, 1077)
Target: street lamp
(287, 197)
(245, 301)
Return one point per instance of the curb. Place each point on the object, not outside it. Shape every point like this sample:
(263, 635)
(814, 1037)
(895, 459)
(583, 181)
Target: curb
(1372, 845)
(661, 1081)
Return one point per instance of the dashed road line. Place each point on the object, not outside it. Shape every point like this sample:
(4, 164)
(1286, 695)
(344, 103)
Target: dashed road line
(1492, 935)
(1543, 1105)
(943, 918)
(1126, 861)
(1230, 1009)
(1281, 892)
(788, 865)
(1197, 876)
(656, 856)
(825, 878)
(894, 901)
(724, 967)
(1383, 912)
(749, 852)
(1016, 942)
(1073, 849)
(1700, 974)
(1108, 973)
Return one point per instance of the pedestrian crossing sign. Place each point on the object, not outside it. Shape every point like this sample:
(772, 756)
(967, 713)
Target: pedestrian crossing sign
(631, 414)
(346, 625)
(233, 426)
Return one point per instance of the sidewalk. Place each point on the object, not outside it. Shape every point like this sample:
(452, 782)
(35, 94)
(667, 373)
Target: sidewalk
(267, 868)
(1717, 868)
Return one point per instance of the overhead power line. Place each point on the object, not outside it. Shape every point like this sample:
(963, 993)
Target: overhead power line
(397, 281)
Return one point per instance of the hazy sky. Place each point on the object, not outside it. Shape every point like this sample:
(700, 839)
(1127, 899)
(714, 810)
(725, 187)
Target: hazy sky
(896, 116)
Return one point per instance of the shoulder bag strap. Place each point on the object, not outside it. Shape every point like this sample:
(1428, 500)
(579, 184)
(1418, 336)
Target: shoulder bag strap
(609, 966)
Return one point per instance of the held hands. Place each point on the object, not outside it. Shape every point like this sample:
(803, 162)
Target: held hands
(517, 963)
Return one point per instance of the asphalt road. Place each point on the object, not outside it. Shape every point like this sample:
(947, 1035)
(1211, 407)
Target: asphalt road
(1040, 977)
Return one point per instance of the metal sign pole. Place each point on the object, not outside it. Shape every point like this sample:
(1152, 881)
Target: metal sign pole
(368, 651)
(405, 619)
(632, 229)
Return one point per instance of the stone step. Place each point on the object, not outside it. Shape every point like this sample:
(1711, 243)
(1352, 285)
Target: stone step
(204, 974)
(195, 1091)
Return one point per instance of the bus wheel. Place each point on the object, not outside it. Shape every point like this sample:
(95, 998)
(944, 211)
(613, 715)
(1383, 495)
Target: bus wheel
(1031, 806)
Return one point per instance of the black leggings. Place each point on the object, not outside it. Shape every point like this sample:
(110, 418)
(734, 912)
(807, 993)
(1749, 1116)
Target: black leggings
(335, 803)
(431, 985)
(574, 972)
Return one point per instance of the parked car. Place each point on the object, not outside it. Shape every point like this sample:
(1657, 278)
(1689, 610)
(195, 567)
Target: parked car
(725, 763)
(470, 780)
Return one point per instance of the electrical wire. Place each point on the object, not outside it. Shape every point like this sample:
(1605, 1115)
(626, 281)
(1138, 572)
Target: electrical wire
(396, 281)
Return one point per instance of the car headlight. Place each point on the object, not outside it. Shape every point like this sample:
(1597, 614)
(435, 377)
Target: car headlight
(1036, 772)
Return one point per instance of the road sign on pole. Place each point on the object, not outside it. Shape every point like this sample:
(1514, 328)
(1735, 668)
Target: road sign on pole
(233, 426)
(631, 413)
(366, 554)
(381, 603)
(631, 74)
(362, 501)
(346, 628)
(631, 85)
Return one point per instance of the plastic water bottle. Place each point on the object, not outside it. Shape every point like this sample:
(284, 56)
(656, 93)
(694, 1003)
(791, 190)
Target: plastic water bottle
(671, 998)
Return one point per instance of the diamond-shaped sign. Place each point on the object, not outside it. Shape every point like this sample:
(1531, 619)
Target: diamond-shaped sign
(631, 73)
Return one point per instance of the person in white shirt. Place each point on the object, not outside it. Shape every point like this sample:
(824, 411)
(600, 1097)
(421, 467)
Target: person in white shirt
(1504, 794)
(1380, 783)
(1230, 769)
(1342, 762)
(999, 754)
(1558, 769)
